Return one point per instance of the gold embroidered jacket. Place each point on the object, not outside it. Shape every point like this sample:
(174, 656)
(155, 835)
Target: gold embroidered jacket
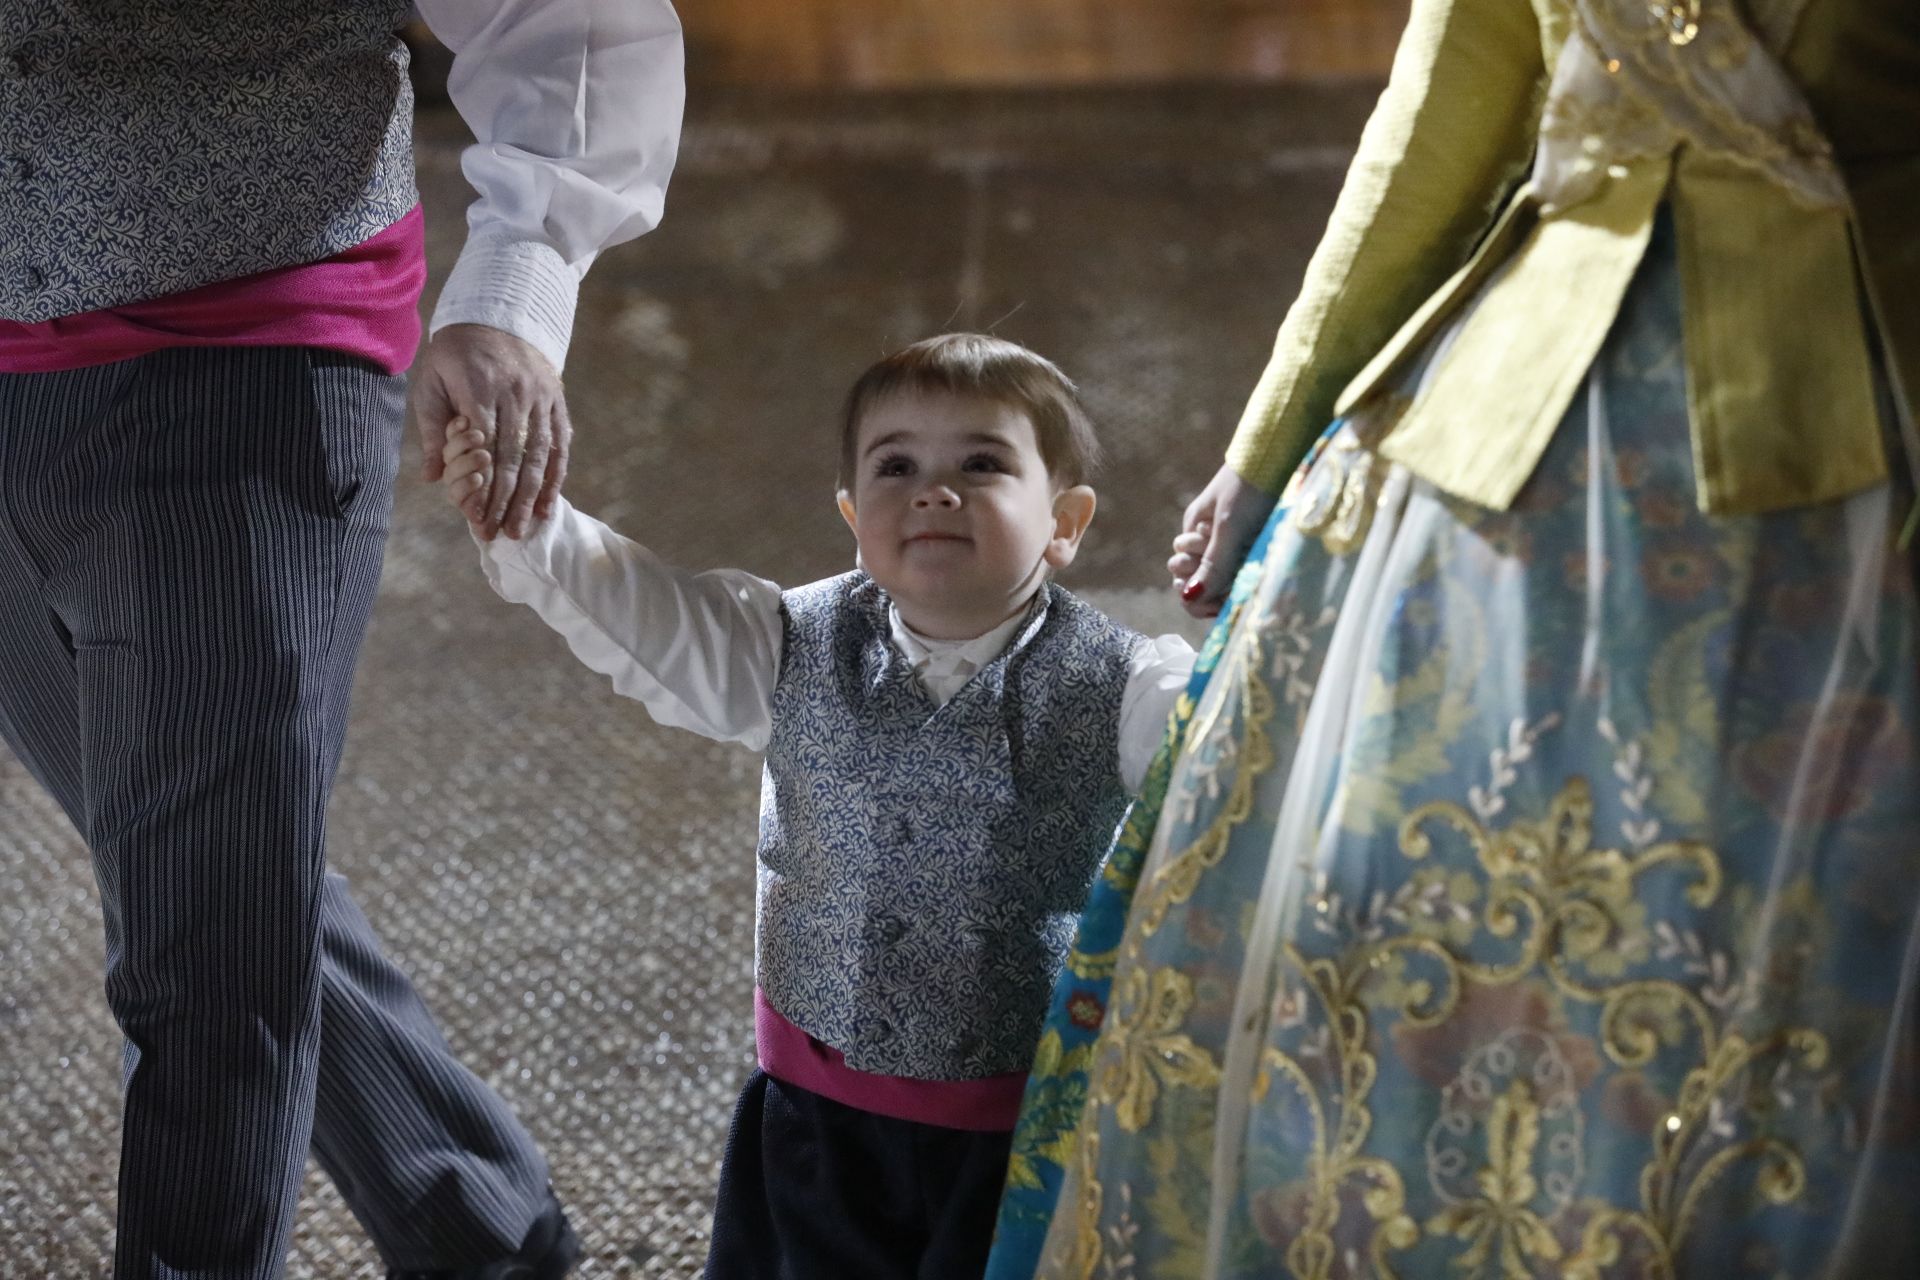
(1785, 134)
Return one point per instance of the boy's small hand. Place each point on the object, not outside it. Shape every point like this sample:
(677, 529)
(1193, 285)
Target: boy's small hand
(467, 470)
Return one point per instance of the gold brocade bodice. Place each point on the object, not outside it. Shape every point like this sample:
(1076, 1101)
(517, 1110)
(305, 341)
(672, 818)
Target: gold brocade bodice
(1504, 192)
(1637, 80)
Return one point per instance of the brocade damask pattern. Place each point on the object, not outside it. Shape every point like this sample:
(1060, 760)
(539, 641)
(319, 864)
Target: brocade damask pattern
(921, 866)
(152, 146)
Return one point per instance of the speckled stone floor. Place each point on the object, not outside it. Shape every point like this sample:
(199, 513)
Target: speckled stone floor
(571, 886)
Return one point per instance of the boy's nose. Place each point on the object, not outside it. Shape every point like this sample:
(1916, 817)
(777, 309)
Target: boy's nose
(937, 495)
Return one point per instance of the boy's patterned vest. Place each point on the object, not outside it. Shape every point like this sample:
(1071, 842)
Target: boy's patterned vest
(921, 869)
(151, 146)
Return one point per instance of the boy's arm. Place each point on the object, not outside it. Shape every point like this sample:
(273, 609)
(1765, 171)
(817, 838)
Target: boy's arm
(1161, 668)
(699, 650)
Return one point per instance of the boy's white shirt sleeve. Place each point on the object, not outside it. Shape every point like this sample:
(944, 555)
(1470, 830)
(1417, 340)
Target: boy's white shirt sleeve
(1157, 678)
(575, 108)
(700, 651)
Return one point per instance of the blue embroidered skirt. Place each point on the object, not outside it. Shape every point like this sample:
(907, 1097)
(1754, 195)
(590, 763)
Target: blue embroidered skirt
(1520, 894)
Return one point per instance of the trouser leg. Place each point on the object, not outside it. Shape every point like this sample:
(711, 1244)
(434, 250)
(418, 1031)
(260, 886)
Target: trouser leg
(432, 1161)
(813, 1189)
(191, 543)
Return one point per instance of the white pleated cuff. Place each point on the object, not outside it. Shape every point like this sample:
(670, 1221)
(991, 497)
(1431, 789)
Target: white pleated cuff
(520, 286)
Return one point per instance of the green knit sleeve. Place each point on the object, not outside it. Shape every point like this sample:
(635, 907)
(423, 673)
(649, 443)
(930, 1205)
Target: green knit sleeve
(1451, 133)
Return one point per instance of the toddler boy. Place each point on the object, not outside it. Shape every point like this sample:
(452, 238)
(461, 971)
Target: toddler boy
(951, 741)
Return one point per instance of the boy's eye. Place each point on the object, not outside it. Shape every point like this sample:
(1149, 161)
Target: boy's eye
(893, 464)
(984, 462)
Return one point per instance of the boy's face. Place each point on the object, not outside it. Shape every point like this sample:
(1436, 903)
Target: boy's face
(954, 512)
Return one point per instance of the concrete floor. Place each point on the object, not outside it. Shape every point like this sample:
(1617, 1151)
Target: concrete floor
(570, 885)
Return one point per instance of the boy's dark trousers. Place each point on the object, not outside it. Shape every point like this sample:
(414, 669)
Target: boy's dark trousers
(812, 1189)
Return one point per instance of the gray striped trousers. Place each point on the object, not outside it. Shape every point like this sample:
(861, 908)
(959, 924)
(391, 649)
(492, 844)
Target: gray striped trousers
(189, 547)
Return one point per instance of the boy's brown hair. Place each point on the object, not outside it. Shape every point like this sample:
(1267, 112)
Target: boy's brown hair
(989, 368)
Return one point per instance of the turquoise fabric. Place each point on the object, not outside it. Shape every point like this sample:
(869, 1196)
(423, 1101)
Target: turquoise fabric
(1530, 894)
(1057, 1089)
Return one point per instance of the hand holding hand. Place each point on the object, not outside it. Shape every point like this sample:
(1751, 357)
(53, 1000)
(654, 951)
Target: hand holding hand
(504, 388)
(1219, 528)
(466, 469)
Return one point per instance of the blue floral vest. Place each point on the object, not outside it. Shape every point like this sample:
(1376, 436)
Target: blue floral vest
(921, 868)
(151, 146)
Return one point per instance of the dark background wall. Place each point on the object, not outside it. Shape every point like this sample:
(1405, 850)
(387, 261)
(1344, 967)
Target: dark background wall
(907, 43)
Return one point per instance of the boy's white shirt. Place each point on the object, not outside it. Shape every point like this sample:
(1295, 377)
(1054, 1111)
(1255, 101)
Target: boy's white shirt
(701, 651)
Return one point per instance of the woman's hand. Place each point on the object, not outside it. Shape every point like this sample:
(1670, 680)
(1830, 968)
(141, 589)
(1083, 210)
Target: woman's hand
(1219, 528)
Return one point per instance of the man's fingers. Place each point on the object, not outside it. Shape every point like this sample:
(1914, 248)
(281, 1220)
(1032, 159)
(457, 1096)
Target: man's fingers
(491, 378)
(533, 470)
(509, 449)
(474, 505)
(550, 487)
(556, 461)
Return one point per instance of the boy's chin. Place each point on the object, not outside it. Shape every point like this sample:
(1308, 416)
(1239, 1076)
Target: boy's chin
(968, 602)
(924, 593)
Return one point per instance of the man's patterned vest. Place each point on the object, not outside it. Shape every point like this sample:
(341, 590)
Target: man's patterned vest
(921, 868)
(151, 146)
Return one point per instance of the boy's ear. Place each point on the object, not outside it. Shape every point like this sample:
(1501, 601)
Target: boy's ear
(1072, 513)
(844, 500)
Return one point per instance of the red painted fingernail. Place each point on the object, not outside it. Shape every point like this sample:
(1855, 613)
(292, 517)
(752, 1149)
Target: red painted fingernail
(1192, 590)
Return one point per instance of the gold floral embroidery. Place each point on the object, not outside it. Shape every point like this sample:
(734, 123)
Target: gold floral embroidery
(1558, 906)
(1052, 1111)
(1719, 84)
(1578, 900)
(1092, 965)
(1335, 1158)
(1501, 1220)
(1689, 1141)
(1083, 1253)
(1210, 752)
(1142, 1047)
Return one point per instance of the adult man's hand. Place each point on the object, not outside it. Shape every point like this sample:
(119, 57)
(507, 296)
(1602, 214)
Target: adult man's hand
(503, 386)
